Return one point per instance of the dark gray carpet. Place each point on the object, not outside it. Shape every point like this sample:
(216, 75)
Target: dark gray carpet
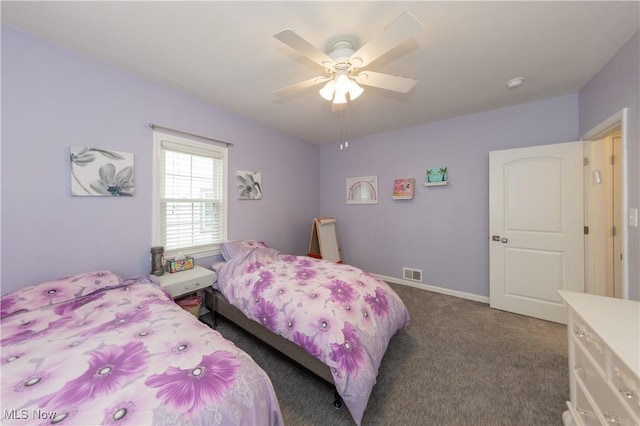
(458, 363)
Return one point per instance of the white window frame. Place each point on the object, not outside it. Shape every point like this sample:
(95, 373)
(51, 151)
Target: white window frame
(189, 145)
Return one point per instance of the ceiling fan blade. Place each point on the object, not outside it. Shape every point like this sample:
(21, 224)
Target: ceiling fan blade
(293, 40)
(286, 91)
(385, 81)
(398, 31)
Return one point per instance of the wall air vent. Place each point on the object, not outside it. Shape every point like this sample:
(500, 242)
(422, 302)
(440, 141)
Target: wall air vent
(412, 274)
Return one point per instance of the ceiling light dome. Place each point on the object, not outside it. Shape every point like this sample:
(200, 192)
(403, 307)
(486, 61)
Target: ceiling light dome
(515, 82)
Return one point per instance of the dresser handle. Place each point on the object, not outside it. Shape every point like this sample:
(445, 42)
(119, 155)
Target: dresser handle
(580, 411)
(628, 389)
(627, 393)
(579, 333)
(611, 418)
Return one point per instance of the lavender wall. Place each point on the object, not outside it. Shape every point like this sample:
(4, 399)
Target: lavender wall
(53, 98)
(617, 86)
(444, 230)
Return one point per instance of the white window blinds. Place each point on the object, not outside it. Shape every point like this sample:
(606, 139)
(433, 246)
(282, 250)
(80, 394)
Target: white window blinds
(190, 196)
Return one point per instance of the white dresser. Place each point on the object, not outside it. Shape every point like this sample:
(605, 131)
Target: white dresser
(604, 360)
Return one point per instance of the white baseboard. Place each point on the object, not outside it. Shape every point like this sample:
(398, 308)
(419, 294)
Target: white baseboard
(435, 289)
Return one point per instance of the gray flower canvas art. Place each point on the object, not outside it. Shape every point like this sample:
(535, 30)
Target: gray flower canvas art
(249, 185)
(99, 172)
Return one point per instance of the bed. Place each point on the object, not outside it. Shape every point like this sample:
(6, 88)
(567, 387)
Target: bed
(94, 348)
(334, 319)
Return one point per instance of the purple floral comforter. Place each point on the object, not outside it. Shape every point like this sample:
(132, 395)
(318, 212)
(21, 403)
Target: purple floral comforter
(338, 313)
(95, 349)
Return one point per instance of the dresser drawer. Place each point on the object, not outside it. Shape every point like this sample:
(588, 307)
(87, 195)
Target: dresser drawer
(591, 342)
(611, 408)
(583, 368)
(188, 286)
(608, 403)
(606, 399)
(585, 411)
(184, 282)
(627, 384)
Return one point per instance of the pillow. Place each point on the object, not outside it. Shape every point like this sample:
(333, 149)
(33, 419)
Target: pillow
(230, 249)
(57, 291)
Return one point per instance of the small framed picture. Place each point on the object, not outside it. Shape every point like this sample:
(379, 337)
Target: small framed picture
(436, 176)
(403, 189)
(362, 190)
(249, 185)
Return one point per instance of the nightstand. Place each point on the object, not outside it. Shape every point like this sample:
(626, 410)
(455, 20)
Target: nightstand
(185, 282)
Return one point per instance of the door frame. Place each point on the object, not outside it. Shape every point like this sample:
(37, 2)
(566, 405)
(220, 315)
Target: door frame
(619, 119)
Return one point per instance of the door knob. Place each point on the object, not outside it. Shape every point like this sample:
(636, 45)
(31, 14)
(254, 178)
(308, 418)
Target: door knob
(504, 240)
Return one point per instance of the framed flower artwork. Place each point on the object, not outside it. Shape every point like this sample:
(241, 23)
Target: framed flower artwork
(249, 185)
(101, 173)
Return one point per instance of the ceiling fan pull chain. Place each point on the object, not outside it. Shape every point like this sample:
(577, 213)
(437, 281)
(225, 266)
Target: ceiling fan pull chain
(344, 130)
(346, 127)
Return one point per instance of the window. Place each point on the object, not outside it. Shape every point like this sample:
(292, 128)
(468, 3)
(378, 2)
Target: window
(190, 196)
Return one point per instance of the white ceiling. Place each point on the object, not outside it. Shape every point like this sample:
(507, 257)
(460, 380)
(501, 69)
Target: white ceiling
(225, 52)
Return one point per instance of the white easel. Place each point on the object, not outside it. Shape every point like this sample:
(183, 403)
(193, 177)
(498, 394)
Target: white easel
(324, 242)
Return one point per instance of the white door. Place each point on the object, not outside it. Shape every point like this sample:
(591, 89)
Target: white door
(536, 228)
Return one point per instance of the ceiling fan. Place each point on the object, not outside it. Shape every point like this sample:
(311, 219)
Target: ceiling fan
(343, 66)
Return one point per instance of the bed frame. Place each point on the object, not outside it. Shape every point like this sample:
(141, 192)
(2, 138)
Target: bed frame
(220, 306)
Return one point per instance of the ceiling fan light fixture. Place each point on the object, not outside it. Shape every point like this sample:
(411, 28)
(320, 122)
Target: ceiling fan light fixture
(337, 88)
(327, 91)
(340, 97)
(354, 90)
(343, 85)
(342, 81)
